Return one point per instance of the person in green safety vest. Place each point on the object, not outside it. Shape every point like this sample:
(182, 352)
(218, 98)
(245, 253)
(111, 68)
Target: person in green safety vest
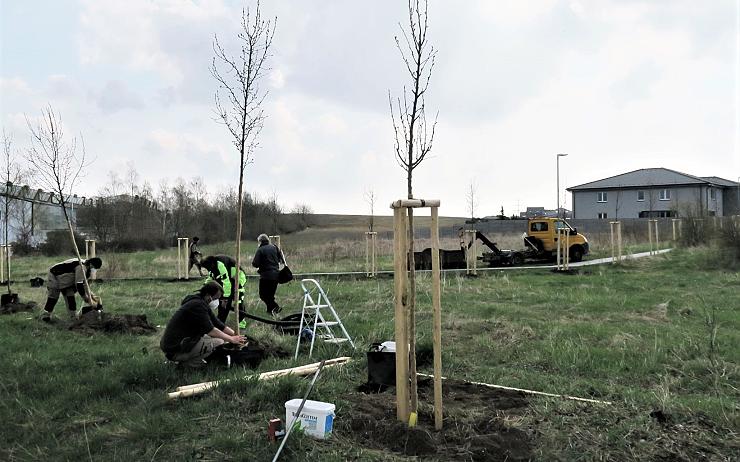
(222, 269)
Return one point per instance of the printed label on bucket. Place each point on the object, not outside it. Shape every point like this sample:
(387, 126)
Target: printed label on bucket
(307, 421)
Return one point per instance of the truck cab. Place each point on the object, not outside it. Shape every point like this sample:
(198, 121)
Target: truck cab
(542, 237)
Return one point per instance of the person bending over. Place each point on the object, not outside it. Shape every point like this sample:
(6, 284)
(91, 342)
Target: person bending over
(222, 269)
(267, 260)
(194, 331)
(65, 278)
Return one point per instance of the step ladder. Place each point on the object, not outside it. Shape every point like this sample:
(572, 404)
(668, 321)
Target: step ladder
(313, 314)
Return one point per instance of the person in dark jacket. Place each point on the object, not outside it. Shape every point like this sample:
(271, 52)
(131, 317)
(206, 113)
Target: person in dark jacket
(222, 269)
(65, 278)
(195, 256)
(194, 332)
(267, 260)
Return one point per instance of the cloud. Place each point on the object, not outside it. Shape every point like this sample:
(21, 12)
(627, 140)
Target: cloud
(116, 96)
(62, 87)
(14, 85)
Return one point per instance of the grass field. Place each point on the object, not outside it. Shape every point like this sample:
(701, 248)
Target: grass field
(657, 336)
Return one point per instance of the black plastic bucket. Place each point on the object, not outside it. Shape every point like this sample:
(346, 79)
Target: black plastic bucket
(381, 366)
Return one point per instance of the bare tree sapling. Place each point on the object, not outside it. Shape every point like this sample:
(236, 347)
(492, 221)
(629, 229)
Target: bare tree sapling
(239, 99)
(59, 165)
(413, 139)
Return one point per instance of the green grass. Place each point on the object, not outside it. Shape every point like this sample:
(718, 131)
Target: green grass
(635, 334)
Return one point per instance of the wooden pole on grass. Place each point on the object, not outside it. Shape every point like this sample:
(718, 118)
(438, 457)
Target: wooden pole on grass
(401, 337)
(404, 300)
(437, 320)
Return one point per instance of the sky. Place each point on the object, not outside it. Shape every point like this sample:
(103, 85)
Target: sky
(618, 85)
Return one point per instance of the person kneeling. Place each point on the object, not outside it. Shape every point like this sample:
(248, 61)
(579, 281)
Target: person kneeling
(194, 332)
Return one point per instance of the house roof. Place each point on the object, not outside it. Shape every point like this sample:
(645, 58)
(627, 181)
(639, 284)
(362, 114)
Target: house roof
(652, 177)
(720, 181)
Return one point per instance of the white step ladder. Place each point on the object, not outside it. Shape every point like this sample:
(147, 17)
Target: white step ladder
(312, 314)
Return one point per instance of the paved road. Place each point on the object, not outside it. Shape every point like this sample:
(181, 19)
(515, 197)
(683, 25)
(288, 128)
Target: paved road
(598, 261)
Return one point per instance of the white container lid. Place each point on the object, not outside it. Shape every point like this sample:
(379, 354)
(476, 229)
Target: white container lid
(388, 346)
(311, 405)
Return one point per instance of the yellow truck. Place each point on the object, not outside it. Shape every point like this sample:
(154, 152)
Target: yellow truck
(540, 243)
(542, 238)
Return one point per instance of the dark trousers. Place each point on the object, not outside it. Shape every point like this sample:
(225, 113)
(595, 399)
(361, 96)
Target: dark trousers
(267, 293)
(223, 311)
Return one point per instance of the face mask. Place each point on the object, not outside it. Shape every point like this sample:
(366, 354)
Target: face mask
(213, 304)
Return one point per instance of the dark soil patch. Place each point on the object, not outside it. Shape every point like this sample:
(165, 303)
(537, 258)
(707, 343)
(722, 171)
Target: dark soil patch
(473, 425)
(10, 308)
(265, 346)
(270, 348)
(100, 321)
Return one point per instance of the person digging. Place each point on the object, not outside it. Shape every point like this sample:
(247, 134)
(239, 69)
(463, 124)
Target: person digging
(222, 269)
(194, 332)
(65, 278)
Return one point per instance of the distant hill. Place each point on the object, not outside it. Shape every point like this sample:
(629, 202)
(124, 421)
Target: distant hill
(328, 227)
(360, 223)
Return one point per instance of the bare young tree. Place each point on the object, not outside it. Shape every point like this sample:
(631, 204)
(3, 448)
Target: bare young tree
(370, 199)
(58, 164)
(12, 173)
(471, 197)
(239, 99)
(413, 136)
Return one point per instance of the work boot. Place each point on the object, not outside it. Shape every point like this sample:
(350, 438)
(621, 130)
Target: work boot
(45, 316)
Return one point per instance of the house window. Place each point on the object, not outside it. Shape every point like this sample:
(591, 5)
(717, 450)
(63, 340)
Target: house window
(602, 216)
(601, 196)
(712, 194)
(640, 196)
(665, 195)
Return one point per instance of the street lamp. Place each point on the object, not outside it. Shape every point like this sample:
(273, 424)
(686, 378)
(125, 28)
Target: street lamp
(558, 183)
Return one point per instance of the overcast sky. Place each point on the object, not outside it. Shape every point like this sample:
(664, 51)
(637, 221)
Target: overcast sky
(617, 84)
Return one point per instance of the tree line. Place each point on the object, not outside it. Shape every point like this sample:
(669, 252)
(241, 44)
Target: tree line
(129, 217)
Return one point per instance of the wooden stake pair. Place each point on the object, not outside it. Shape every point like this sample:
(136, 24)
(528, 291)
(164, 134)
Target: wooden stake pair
(405, 344)
(653, 228)
(616, 243)
(673, 224)
(5, 251)
(471, 252)
(371, 246)
(183, 257)
(563, 249)
(90, 252)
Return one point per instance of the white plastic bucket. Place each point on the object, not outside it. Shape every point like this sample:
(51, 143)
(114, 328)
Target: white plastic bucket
(316, 419)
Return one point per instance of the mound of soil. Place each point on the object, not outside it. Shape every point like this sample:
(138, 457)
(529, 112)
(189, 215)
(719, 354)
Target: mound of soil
(100, 321)
(10, 308)
(251, 354)
(270, 349)
(473, 426)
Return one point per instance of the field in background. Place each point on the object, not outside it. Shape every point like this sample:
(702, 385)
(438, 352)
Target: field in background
(641, 334)
(332, 243)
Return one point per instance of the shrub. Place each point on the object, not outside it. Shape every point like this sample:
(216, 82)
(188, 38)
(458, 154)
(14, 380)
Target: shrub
(58, 243)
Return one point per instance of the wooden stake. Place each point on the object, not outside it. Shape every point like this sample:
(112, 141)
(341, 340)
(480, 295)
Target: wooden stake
(437, 320)
(410, 285)
(399, 279)
(533, 392)
(198, 388)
